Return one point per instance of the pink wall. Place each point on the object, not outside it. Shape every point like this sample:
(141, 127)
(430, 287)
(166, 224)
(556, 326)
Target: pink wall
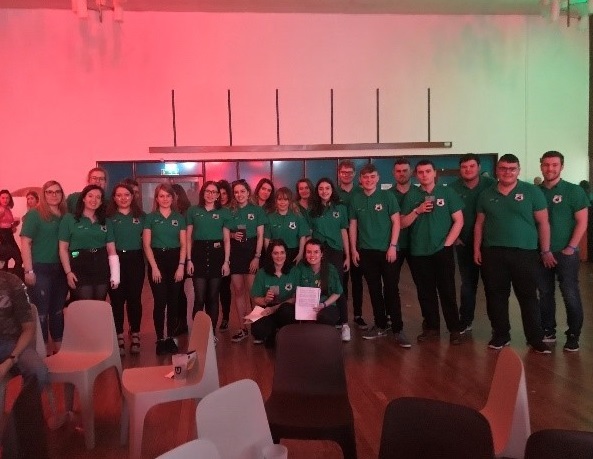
(74, 92)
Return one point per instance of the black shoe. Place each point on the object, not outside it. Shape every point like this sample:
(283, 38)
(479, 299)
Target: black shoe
(360, 323)
(224, 325)
(171, 346)
(498, 342)
(540, 347)
(429, 335)
(572, 344)
(456, 338)
(161, 347)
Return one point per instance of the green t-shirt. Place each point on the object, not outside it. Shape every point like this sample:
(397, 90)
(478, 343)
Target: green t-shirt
(305, 277)
(509, 220)
(403, 241)
(71, 201)
(373, 215)
(328, 227)
(469, 197)
(43, 235)
(165, 231)
(251, 216)
(263, 281)
(84, 234)
(564, 200)
(128, 231)
(346, 196)
(208, 224)
(430, 229)
(290, 228)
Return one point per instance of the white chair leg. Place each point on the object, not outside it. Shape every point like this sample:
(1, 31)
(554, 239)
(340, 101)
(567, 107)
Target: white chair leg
(69, 396)
(124, 422)
(88, 416)
(137, 415)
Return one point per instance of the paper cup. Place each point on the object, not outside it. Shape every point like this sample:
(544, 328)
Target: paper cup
(180, 365)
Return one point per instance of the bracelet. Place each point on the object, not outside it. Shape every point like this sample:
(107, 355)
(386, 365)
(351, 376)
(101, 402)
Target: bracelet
(30, 272)
(544, 252)
(393, 245)
(323, 304)
(572, 247)
(226, 262)
(257, 255)
(181, 263)
(416, 212)
(69, 272)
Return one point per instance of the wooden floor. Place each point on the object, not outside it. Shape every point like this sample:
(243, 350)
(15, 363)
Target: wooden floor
(560, 385)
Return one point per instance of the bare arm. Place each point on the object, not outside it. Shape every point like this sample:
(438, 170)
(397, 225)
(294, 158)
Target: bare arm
(346, 245)
(392, 249)
(478, 231)
(26, 244)
(455, 228)
(146, 241)
(26, 338)
(353, 234)
(580, 217)
(226, 240)
(189, 237)
(543, 232)
(180, 271)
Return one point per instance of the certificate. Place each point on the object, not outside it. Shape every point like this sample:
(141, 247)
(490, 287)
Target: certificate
(307, 302)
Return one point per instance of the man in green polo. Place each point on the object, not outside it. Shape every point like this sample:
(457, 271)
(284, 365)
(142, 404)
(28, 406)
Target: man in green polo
(96, 176)
(511, 217)
(433, 213)
(568, 213)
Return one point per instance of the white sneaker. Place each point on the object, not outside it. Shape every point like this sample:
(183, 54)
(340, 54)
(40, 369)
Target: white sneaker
(345, 333)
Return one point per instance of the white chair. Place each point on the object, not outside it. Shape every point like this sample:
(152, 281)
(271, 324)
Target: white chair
(89, 346)
(146, 387)
(507, 407)
(234, 419)
(195, 449)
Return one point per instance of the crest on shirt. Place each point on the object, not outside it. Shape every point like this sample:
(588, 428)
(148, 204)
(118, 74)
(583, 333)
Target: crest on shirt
(557, 199)
(104, 228)
(136, 221)
(379, 207)
(250, 216)
(175, 222)
(519, 197)
(288, 287)
(336, 214)
(215, 216)
(292, 225)
(440, 202)
(318, 283)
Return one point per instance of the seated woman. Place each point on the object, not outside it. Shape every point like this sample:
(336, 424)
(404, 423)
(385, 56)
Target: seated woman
(316, 271)
(273, 289)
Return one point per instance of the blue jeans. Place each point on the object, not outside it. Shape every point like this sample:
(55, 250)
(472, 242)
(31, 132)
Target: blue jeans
(567, 271)
(470, 275)
(30, 364)
(49, 295)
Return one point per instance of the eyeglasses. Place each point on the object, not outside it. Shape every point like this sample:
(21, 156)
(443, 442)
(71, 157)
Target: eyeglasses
(97, 179)
(53, 192)
(507, 169)
(211, 192)
(346, 172)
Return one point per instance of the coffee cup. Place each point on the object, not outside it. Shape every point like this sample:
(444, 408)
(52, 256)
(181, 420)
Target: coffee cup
(180, 362)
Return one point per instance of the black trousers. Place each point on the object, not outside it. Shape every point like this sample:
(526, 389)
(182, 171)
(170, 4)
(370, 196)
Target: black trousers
(166, 292)
(266, 327)
(435, 278)
(129, 291)
(355, 276)
(225, 297)
(381, 277)
(336, 258)
(501, 268)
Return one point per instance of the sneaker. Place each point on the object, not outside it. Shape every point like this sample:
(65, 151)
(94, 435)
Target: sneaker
(161, 347)
(375, 332)
(215, 340)
(549, 337)
(240, 335)
(388, 321)
(224, 325)
(572, 344)
(467, 328)
(360, 323)
(456, 338)
(122, 345)
(540, 347)
(135, 346)
(402, 340)
(429, 335)
(345, 333)
(171, 346)
(498, 342)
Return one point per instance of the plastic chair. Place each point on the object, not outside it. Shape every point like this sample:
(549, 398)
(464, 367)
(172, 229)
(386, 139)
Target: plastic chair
(234, 419)
(507, 407)
(195, 449)
(559, 444)
(89, 346)
(419, 427)
(146, 387)
(309, 397)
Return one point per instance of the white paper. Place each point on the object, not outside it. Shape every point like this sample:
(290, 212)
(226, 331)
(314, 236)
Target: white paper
(255, 315)
(307, 301)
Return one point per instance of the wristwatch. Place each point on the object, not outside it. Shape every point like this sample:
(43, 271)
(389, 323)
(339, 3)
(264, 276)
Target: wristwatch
(14, 358)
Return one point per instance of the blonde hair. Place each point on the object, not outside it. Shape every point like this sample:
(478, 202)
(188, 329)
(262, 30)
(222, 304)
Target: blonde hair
(43, 207)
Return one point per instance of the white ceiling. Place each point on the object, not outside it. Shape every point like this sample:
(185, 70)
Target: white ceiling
(518, 7)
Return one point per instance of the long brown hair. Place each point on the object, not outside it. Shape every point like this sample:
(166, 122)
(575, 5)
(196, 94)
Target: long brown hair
(167, 188)
(43, 207)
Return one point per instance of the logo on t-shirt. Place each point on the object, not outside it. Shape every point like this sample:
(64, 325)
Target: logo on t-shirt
(104, 228)
(519, 197)
(557, 199)
(175, 222)
(288, 287)
(250, 216)
(136, 221)
(440, 202)
(292, 225)
(318, 283)
(379, 207)
(336, 214)
(215, 216)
